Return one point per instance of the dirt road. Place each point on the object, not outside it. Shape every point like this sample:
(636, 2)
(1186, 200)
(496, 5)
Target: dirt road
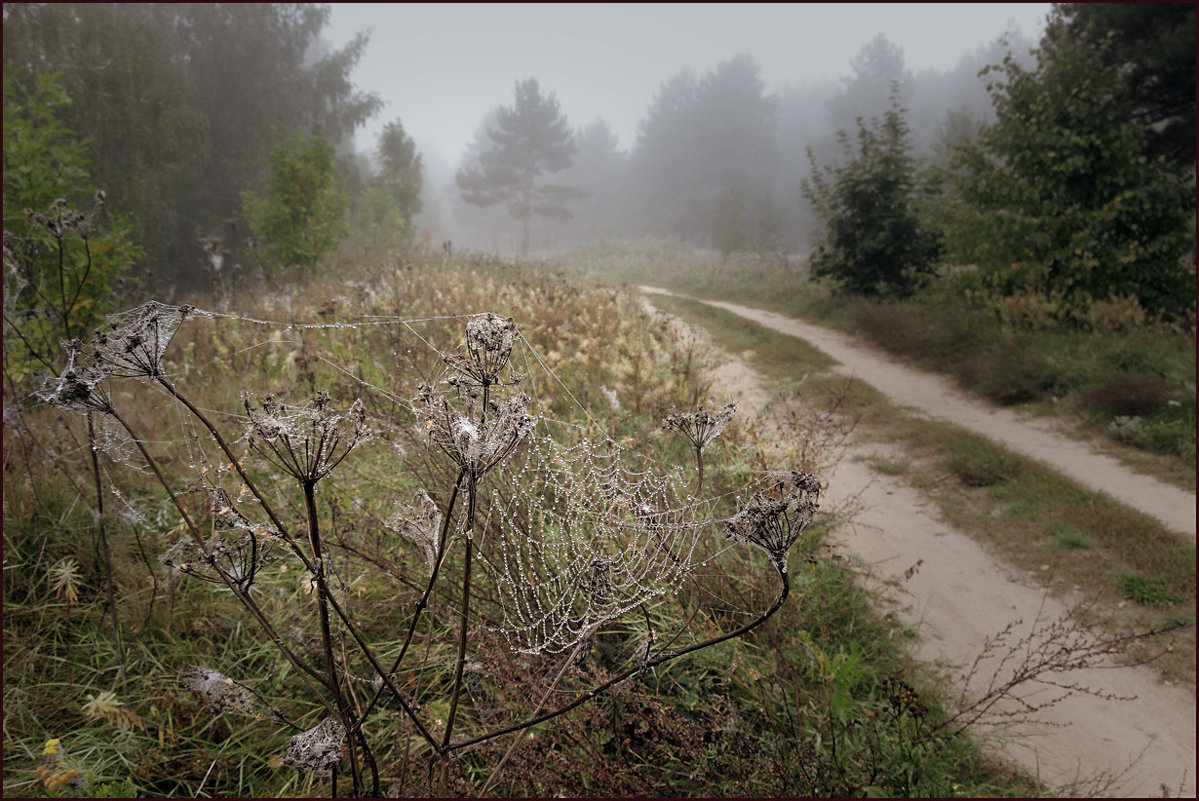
(932, 395)
(944, 582)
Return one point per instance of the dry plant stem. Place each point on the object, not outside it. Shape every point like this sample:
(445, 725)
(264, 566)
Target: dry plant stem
(276, 713)
(384, 568)
(304, 670)
(13, 329)
(422, 603)
(654, 661)
(322, 590)
(471, 490)
(87, 270)
(1057, 652)
(62, 289)
(233, 460)
(520, 736)
(110, 589)
(385, 677)
(302, 556)
(358, 732)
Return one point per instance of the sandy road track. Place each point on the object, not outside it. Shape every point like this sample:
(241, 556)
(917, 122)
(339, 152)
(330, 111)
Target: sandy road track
(944, 582)
(932, 395)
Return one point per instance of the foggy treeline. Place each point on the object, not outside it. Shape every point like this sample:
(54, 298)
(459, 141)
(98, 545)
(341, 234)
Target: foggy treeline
(719, 156)
(181, 105)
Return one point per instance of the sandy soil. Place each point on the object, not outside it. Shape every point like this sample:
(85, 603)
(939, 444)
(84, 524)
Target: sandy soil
(940, 580)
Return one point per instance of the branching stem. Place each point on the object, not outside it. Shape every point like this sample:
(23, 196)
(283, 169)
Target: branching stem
(323, 594)
(304, 670)
(653, 661)
(102, 524)
(471, 489)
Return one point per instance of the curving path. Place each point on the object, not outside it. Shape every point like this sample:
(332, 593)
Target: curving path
(932, 395)
(942, 582)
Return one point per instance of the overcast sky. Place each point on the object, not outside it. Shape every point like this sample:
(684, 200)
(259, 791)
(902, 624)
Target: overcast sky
(441, 67)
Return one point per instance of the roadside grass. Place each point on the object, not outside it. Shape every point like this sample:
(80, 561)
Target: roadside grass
(1132, 390)
(889, 467)
(1065, 537)
(1080, 544)
(778, 359)
(669, 264)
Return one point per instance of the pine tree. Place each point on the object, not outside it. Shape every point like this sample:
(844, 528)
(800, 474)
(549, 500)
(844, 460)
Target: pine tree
(529, 139)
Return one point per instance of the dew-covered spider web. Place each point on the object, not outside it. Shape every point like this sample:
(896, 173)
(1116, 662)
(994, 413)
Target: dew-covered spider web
(583, 538)
(574, 530)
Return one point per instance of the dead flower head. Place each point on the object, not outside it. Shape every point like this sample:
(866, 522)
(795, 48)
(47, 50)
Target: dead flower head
(773, 518)
(418, 523)
(489, 340)
(133, 343)
(307, 442)
(77, 387)
(219, 692)
(237, 551)
(701, 426)
(62, 220)
(477, 442)
(318, 748)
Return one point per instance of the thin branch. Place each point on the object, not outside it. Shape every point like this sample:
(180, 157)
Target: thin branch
(654, 661)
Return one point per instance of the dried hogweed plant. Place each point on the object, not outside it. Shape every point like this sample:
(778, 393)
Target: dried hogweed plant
(773, 518)
(546, 536)
(700, 427)
(54, 288)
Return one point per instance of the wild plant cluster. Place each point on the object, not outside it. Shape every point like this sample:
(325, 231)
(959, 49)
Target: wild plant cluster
(366, 544)
(550, 532)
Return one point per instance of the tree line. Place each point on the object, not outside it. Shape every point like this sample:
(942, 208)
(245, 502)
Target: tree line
(184, 113)
(718, 159)
(1074, 185)
(220, 134)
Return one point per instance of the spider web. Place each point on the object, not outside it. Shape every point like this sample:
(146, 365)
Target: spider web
(583, 538)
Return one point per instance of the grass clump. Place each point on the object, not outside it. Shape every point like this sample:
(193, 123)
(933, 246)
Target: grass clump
(1153, 592)
(890, 467)
(978, 463)
(1067, 538)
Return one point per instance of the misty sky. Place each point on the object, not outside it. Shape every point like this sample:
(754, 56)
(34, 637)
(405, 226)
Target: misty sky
(441, 67)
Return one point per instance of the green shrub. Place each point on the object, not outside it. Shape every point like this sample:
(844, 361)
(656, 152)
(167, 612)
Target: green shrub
(874, 243)
(1126, 395)
(302, 216)
(1059, 201)
(1010, 372)
(1146, 591)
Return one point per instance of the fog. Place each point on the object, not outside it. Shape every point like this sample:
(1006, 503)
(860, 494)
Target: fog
(682, 115)
(688, 122)
(441, 67)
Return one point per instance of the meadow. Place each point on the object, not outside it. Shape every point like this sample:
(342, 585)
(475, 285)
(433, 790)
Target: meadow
(435, 498)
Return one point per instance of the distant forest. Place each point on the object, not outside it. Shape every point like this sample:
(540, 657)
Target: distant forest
(187, 112)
